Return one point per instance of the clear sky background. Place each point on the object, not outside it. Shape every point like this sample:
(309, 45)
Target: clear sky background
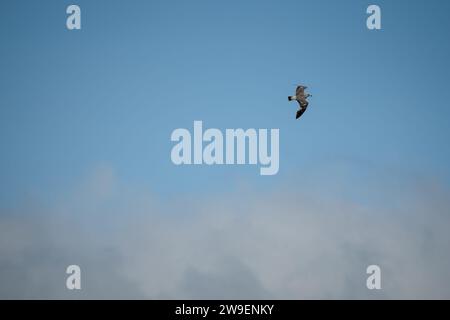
(110, 95)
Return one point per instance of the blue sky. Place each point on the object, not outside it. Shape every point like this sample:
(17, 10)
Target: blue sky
(113, 92)
(103, 101)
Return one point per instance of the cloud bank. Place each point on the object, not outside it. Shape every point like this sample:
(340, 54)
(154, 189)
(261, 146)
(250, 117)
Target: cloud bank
(288, 244)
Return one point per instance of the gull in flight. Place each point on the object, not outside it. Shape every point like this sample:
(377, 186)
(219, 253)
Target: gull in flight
(300, 97)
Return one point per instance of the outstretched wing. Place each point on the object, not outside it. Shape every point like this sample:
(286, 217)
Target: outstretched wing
(300, 91)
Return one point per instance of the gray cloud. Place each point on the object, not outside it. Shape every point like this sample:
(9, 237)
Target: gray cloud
(244, 244)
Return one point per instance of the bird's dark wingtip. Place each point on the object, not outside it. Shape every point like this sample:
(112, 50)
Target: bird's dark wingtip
(299, 113)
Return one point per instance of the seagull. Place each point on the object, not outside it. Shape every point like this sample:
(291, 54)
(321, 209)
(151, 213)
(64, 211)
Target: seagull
(300, 97)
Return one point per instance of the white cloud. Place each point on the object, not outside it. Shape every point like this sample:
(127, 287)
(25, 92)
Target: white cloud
(244, 244)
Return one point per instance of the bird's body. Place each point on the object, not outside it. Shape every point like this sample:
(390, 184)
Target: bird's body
(300, 97)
